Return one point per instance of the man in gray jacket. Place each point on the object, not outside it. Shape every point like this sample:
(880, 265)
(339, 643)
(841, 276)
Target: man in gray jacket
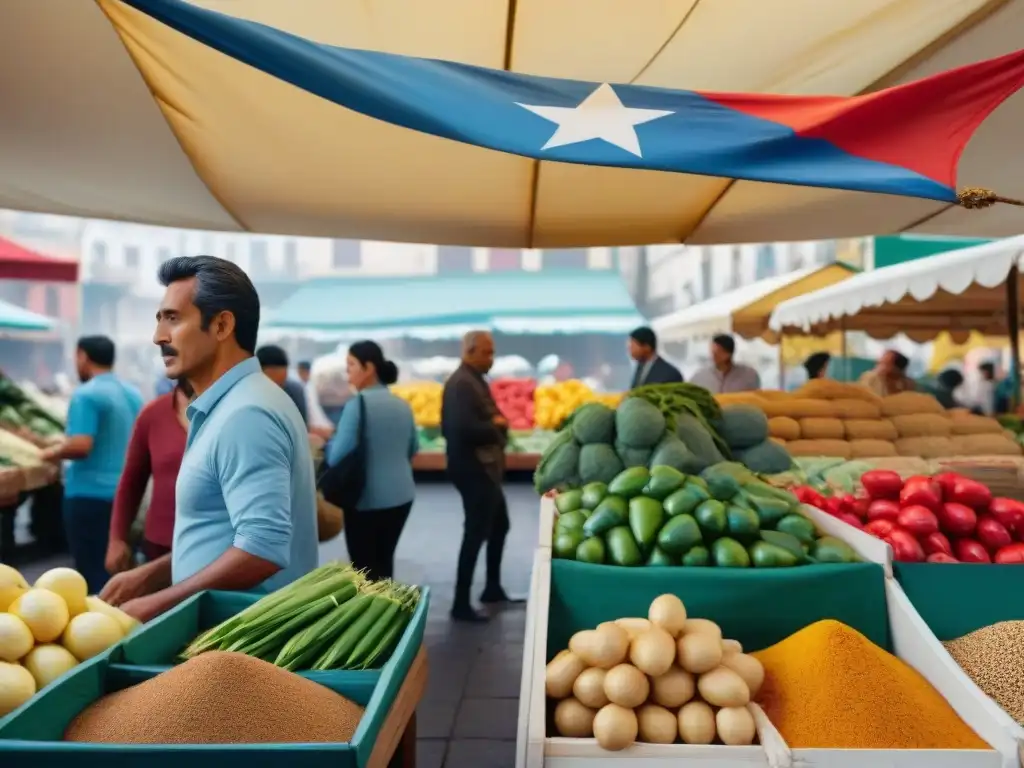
(476, 434)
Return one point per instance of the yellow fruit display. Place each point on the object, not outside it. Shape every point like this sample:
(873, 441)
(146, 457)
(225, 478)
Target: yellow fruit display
(424, 397)
(12, 586)
(554, 402)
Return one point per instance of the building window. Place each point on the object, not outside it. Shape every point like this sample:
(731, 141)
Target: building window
(506, 259)
(346, 254)
(291, 257)
(765, 266)
(259, 258)
(565, 258)
(99, 254)
(132, 257)
(705, 274)
(454, 258)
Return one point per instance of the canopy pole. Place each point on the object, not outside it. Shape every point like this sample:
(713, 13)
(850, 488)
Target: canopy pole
(1013, 329)
(842, 348)
(782, 363)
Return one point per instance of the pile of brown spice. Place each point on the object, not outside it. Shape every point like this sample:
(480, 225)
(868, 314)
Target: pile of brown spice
(219, 698)
(993, 657)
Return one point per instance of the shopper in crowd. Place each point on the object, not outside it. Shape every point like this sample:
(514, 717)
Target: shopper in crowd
(947, 383)
(155, 451)
(245, 506)
(889, 377)
(476, 434)
(274, 362)
(651, 368)
(724, 374)
(816, 365)
(373, 528)
(983, 396)
(316, 418)
(99, 427)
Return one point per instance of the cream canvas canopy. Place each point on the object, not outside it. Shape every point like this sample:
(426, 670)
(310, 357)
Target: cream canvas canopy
(958, 291)
(108, 113)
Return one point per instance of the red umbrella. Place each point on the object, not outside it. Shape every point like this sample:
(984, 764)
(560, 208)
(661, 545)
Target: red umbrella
(18, 263)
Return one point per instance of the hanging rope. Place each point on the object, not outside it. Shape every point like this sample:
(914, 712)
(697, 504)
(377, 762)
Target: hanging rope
(978, 197)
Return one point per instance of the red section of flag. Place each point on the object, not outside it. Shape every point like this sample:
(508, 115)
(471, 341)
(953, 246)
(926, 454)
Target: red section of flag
(922, 126)
(19, 263)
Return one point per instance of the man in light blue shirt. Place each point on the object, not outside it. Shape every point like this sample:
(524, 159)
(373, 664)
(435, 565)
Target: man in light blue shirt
(245, 514)
(101, 416)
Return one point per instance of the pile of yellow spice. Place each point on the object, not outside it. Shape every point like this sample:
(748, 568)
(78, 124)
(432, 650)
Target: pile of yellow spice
(829, 687)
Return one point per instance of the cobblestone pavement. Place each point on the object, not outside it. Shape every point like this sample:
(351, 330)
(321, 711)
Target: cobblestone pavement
(468, 716)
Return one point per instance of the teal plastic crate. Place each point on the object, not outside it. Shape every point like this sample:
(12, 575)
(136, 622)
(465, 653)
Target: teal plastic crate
(157, 644)
(31, 735)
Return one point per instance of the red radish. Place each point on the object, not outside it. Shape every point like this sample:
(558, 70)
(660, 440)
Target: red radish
(936, 542)
(807, 495)
(970, 551)
(850, 519)
(1009, 512)
(880, 527)
(883, 509)
(957, 519)
(947, 481)
(919, 520)
(860, 508)
(904, 546)
(923, 491)
(992, 534)
(1011, 554)
(940, 557)
(882, 484)
(833, 505)
(972, 493)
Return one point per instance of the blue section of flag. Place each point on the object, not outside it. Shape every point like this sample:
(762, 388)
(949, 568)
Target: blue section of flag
(480, 106)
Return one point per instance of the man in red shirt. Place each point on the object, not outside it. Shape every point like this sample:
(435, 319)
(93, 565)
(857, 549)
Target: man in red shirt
(156, 449)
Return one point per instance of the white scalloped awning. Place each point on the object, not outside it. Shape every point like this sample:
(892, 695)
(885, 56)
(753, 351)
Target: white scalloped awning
(958, 291)
(107, 113)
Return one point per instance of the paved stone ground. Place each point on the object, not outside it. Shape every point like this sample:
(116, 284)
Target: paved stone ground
(468, 717)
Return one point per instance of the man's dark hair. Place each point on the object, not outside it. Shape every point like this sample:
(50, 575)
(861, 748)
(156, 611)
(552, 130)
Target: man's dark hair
(950, 378)
(989, 369)
(725, 341)
(272, 356)
(98, 349)
(304, 365)
(221, 286)
(816, 363)
(900, 360)
(646, 336)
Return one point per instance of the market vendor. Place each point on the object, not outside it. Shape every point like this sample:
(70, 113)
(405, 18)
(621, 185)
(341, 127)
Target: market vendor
(725, 374)
(245, 511)
(889, 377)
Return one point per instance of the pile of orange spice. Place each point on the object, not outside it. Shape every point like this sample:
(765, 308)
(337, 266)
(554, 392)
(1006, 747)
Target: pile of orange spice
(827, 686)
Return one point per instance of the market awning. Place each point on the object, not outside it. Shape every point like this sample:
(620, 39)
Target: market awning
(19, 263)
(543, 302)
(14, 318)
(745, 311)
(109, 113)
(958, 291)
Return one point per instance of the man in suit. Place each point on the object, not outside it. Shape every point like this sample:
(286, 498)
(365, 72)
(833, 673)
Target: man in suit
(476, 434)
(650, 368)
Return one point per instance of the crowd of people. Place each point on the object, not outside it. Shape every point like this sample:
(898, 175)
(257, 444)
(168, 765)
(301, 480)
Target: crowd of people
(227, 447)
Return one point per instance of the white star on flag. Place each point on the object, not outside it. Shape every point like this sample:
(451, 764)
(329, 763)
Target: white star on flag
(599, 116)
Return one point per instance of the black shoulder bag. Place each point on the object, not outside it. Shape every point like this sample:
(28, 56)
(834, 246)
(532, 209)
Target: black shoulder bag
(342, 484)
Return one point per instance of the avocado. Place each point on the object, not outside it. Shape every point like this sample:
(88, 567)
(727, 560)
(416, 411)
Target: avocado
(729, 553)
(645, 520)
(680, 534)
(612, 511)
(743, 524)
(786, 541)
(661, 558)
(711, 518)
(592, 494)
(630, 482)
(569, 501)
(685, 500)
(591, 550)
(697, 557)
(722, 487)
(829, 549)
(570, 520)
(565, 542)
(799, 526)
(765, 555)
(622, 548)
(664, 481)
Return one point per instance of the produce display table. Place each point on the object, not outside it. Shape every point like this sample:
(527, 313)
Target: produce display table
(396, 743)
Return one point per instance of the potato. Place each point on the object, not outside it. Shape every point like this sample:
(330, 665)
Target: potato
(674, 688)
(604, 647)
(573, 720)
(626, 686)
(748, 668)
(632, 626)
(723, 688)
(615, 727)
(696, 723)
(653, 651)
(731, 646)
(705, 626)
(669, 613)
(656, 725)
(561, 673)
(736, 727)
(699, 652)
(589, 688)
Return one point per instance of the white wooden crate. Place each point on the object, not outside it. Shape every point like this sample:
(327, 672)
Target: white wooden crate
(548, 513)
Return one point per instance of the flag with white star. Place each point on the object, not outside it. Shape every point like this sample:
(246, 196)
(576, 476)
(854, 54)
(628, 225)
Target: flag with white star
(901, 141)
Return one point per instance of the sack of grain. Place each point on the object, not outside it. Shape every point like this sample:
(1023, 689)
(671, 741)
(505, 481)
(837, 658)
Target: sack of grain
(910, 402)
(925, 447)
(848, 408)
(739, 398)
(984, 445)
(923, 425)
(799, 408)
(839, 449)
(829, 389)
(774, 394)
(971, 424)
(219, 698)
(778, 441)
(784, 427)
(871, 449)
(821, 429)
(869, 429)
